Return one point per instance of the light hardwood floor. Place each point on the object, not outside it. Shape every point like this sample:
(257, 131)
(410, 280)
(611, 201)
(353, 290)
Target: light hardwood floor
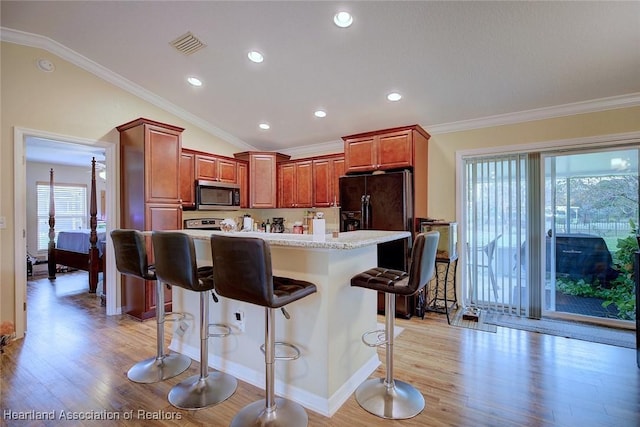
(75, 359)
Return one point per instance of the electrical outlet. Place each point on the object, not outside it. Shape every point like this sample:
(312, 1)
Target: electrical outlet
(182, 328)
(238, 318)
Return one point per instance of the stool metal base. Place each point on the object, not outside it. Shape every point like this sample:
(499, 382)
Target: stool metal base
(197, 392)
(285, 414)
(157, 369)
(398, 402)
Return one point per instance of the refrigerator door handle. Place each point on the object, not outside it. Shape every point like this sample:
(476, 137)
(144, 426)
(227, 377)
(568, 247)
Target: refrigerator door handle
(363, 212)
(367, 212)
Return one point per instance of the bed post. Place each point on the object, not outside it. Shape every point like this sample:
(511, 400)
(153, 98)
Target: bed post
(51, 256)
(94, 256)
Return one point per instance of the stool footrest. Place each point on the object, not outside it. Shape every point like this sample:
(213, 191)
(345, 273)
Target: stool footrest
(296, 351)
(172, 316)
(225, 328)
(381, 338)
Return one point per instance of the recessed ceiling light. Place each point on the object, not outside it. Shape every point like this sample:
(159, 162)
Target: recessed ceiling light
(394, 96)
(255, 56)
(320, 113)
(343, 19)
(194, 81)
(264, 126)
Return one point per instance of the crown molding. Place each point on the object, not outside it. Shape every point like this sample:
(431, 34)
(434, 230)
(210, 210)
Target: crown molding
(311, 150)
(591, 106)
(41, 42)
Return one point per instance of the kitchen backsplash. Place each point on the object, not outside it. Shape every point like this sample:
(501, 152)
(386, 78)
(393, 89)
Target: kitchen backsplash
(331, 216)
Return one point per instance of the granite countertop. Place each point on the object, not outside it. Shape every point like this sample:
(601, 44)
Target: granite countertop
(346, 240)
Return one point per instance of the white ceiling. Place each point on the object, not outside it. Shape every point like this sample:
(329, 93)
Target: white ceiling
(455, 63)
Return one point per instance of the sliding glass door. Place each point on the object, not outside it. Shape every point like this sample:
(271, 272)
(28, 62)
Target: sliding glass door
(550, 233)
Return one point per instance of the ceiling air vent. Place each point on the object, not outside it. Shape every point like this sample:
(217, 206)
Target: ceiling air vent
(187, 43)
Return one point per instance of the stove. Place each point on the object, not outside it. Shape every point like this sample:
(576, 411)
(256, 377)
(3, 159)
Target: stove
(202, 224)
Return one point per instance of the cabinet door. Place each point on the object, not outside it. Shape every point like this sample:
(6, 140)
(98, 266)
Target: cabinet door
(322, 182)
(227, 171)
(304, 184)
(262, 181)
(162, 165)
(286, 185)
(360, 154)
(187, 180)
(338, 171)
(163, 216)
(243, 181)
(206, 168)
(394, 150)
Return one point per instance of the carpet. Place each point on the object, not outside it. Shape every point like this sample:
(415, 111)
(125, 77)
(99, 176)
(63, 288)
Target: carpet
(579, 331)
(480, 325)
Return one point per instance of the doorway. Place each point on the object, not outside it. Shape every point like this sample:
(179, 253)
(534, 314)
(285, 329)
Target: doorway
(21, 138)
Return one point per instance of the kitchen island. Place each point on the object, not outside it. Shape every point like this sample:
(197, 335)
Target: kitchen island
(327, 326)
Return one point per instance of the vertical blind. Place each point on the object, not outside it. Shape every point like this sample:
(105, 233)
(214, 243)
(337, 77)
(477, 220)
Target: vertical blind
(494, 212)
(71, 209)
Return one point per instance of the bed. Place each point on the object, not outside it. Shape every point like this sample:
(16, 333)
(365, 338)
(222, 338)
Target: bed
(79, 249)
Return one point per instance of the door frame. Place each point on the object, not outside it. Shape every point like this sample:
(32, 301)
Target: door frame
(20, 136)
(583, 143)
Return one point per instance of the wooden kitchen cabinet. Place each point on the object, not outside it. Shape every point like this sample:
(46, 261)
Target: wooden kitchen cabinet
(295, 184)
(383, 150)
(150, 196)
(214, 168)
(326, 173)
(187, 180)
(262, 177)
(243, 181)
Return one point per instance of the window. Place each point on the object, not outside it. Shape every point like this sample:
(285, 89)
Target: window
(70, 209)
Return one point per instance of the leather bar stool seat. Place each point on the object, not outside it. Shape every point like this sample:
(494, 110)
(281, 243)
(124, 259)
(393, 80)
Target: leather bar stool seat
(176, 264)
(131, 259)
(388, 397)
(243, 272)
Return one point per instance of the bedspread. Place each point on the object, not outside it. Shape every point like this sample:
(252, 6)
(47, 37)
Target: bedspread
(78, 241)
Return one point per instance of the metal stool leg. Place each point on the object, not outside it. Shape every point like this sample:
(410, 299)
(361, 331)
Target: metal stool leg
(386, 397)
(207, 388)
(273, 411)
(163, 366)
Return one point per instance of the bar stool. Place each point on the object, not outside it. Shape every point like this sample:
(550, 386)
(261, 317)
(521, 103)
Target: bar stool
(131, 259)
(242, 271)
(386, 397)
(176, 264)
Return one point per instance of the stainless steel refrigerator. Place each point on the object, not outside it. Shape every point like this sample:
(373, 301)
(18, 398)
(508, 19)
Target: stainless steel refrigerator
(381, 202)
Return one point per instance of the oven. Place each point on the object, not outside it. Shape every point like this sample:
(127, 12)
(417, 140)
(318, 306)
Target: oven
(213, 224)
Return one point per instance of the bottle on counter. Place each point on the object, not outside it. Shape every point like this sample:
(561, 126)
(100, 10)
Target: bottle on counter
(267, 227)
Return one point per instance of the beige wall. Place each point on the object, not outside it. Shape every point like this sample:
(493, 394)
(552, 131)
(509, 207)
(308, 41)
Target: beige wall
(70, 102)
(442, 148)
(73, 102)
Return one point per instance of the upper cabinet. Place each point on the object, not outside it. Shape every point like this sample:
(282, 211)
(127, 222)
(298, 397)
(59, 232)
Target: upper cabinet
(384, 149)
(187, 179)
(295, 184)
(215, 168)
(326, 173)
(196, 165)
(262, 177)
(243, 181)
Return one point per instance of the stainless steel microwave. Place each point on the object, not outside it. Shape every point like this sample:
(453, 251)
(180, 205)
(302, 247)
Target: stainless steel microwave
(213, 195)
